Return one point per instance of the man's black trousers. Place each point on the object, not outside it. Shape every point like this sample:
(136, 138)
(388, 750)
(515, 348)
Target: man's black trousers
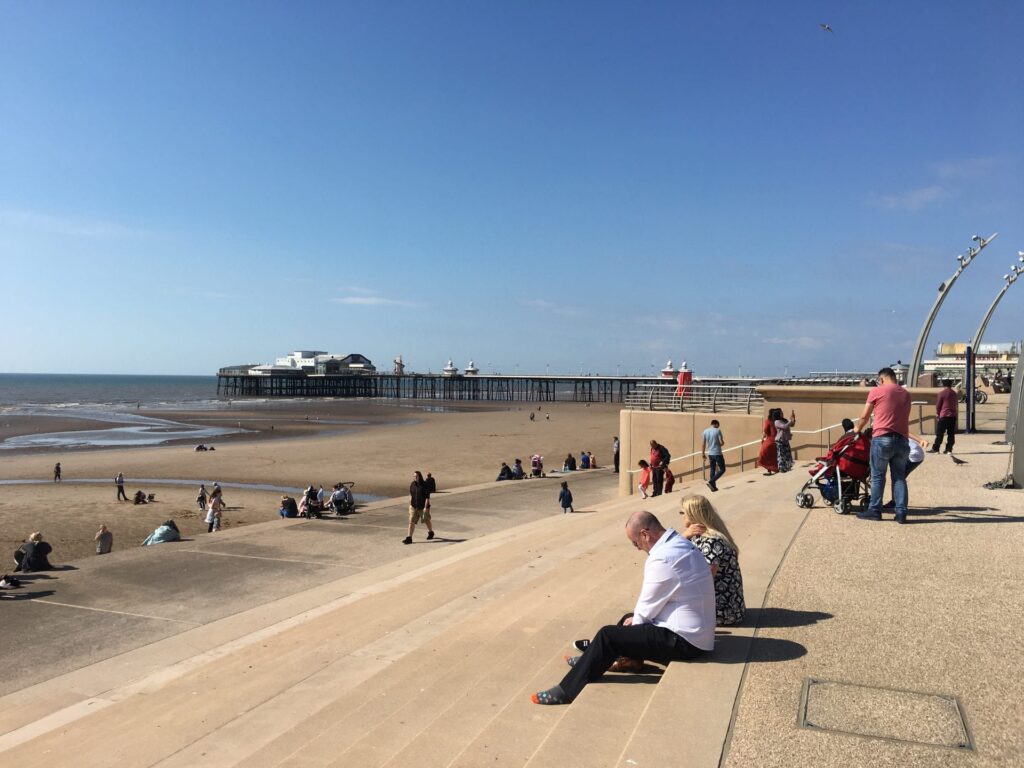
(645, 642)
(946, 425)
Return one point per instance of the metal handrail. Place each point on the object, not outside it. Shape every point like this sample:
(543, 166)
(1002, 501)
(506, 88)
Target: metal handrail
(670, 396)
(747, 445)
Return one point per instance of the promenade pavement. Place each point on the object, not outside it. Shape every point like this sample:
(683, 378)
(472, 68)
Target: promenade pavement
(295, 644)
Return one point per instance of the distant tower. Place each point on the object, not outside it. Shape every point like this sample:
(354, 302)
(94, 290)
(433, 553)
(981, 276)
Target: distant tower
(399, 366)
(450, 369)
(471, 370)
(668, 372)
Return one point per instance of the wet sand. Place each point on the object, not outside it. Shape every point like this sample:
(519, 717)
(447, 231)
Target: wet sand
(380, 454)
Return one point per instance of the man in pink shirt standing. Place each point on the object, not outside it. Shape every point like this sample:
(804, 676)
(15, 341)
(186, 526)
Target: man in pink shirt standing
(945, 411)
(890, 446)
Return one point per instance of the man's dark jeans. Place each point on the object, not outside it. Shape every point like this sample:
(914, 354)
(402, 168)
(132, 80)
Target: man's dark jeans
(658, 478)
(716, 467)
(946, 425)
(644, 642)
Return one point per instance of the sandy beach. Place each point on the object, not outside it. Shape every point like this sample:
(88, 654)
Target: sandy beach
(289, 444)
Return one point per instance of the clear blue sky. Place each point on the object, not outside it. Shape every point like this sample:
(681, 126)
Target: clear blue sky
(185, 185)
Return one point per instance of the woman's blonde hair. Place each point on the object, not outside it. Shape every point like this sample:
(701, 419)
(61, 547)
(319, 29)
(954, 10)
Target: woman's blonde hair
(699, 510)
(37, 536)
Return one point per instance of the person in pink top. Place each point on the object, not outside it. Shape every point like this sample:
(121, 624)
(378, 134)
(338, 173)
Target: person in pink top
(945, 411)
(889, 403)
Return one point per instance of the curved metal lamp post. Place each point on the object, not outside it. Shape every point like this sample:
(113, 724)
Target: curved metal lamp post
(1015, 271)
(944, 288)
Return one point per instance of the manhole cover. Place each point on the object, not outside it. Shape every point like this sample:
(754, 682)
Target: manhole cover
(884, 713)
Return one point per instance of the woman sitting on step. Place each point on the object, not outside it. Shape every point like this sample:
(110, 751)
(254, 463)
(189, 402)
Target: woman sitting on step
(706, 530)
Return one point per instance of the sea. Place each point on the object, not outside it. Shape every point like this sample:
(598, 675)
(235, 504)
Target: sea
(119, 399)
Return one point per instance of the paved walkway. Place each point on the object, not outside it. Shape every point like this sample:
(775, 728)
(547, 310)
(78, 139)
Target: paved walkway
(328, 643)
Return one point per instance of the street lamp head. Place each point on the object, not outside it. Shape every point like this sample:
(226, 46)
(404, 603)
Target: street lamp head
(1006, 278)
(977, 238)
(1020, 255)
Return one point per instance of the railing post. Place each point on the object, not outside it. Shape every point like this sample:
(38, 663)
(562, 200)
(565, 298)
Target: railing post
(750, 395)
(650, 401)
(714, 400)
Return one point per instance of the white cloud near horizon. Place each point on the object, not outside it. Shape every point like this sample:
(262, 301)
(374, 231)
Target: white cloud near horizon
(373, 301)
(946, 175)
(914, 199)
(799, 342)
(75, 226)
(564, 310)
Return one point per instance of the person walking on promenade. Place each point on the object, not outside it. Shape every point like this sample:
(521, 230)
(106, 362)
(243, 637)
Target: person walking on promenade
(56, 472)
(565, 498)
(890, 405)
(711, 449)
(104, 540)
(768, 458)
(119, 482)
(946, 413)
(783, 434)
(659, 459)
(201, 498)
(674, 617)
(615, 453)
(418, 509)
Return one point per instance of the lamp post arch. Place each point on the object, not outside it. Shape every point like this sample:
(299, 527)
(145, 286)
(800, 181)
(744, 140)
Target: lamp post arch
(1011, 277)
(944, 289)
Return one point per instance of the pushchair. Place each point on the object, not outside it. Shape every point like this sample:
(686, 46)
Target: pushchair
(842, 476)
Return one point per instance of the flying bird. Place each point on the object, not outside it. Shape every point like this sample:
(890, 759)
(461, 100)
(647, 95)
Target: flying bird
(826, 27)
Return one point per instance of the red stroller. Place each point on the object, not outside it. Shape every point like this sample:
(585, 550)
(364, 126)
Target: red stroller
(842, 476)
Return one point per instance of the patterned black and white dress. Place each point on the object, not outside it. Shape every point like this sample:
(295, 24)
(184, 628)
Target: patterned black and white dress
(782, 445)
(729, 605)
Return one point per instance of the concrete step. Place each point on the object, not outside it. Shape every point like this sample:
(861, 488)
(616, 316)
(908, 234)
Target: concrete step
(339, 720)
(379, 735)
(240, 681)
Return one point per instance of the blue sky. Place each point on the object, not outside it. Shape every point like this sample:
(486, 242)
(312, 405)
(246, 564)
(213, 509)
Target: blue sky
(595, 186)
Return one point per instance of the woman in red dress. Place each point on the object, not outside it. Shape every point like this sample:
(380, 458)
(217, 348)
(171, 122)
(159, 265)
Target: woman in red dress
(768, 459)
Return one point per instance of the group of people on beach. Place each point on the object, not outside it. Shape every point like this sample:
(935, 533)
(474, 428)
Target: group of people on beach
(587, 461)
(516, 471)
(316, 501)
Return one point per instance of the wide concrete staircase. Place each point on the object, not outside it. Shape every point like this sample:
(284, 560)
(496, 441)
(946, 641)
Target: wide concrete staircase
(426, 661)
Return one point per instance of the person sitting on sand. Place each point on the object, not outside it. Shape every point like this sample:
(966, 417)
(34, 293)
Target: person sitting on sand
(340, 500)
(33, 555)
(569, 465)
(517, 470)
(505, 473)
(139, 497)
(288, 507)
(584, 460)
(165, 532)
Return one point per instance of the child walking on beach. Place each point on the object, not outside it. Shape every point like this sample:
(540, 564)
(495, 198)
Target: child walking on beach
(565, 498)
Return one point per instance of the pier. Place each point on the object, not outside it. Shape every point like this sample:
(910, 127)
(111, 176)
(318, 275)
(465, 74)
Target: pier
(238, 382)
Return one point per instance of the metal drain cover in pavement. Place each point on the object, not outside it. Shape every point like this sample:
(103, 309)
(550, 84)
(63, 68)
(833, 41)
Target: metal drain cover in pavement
(884, 713)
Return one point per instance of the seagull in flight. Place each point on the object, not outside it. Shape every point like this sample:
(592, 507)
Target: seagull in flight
(826, 27)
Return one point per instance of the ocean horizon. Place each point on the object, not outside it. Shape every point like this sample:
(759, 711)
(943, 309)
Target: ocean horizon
(70, 390)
